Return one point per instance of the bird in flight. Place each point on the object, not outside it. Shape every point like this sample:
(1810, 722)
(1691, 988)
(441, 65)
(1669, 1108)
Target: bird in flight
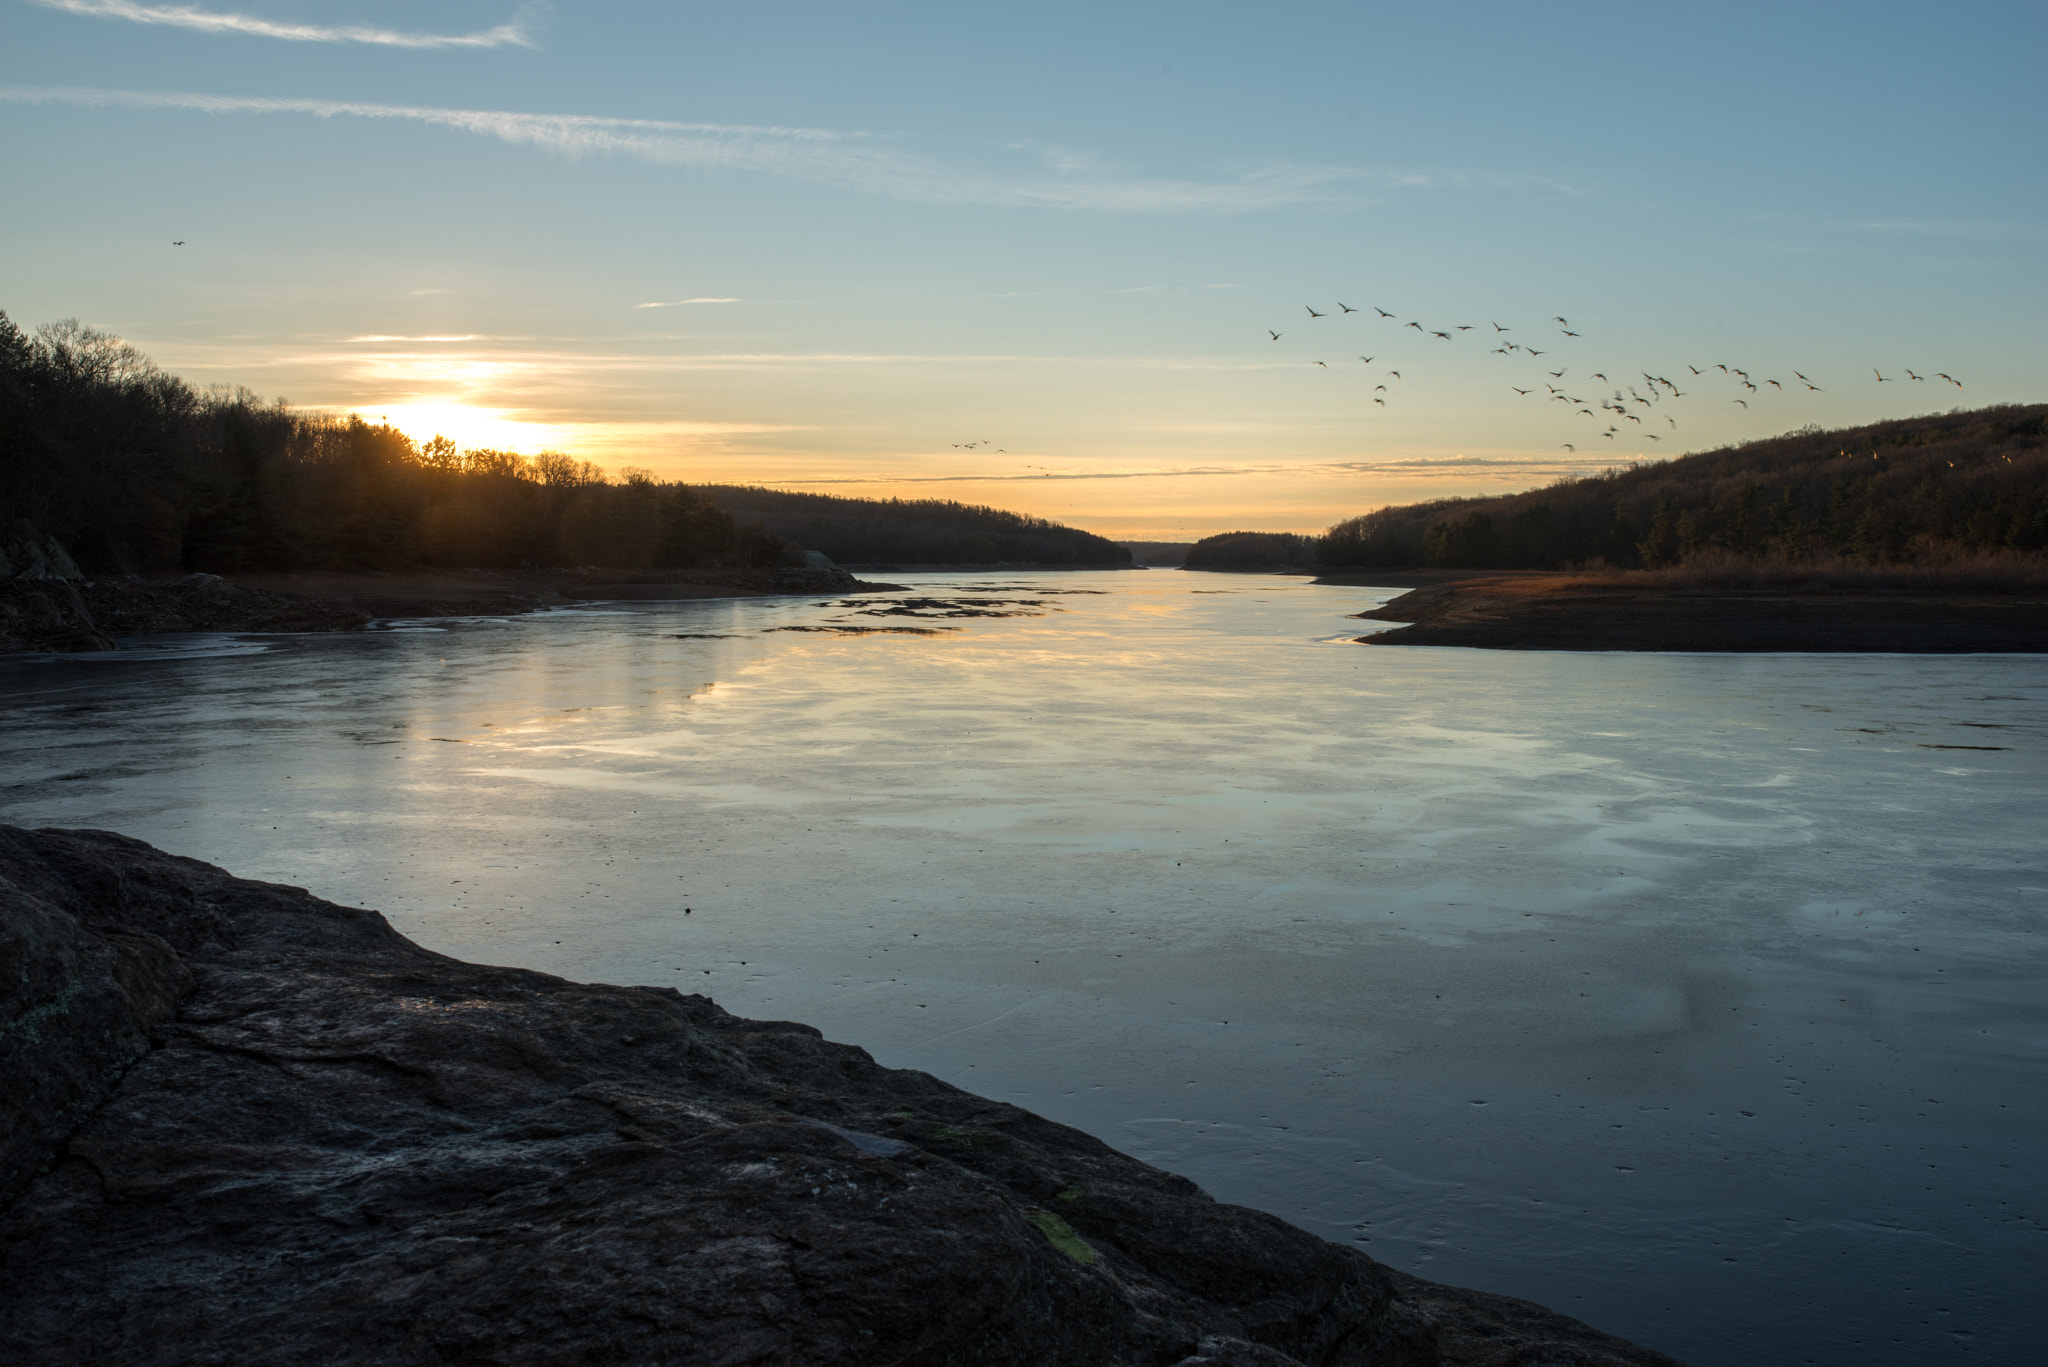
(1653, 436)
(1346, 307)
(1381, 402)
(179, 243)
(1445, 335)
(1569, 447)
(1558, 374)
(1598, 376)
(1366, 359)
(1797, 375)
(1464, 327)
(1560, 322)
(1743, 402)
(1379, 389)
(1522, 391)
(1693, 368)
(1381, 312)
(1311, 312)
(1911, 376)
(1880, 375)
(1568, 332)
(1274, 335)
(1816, 389)
(1532, 351)
(1941, 375)
(1395, 373)
(1323, 364)
(1498, 328)
(1418, 327)
(1774, 384)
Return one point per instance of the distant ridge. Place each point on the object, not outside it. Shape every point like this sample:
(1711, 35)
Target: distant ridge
(867, 531)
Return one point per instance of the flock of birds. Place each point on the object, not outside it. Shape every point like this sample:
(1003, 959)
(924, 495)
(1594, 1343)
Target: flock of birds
(1623, 398)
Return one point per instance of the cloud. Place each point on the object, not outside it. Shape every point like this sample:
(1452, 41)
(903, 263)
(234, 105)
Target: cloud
(513, 34)
(678, 303)
(1515, 468)
(861, 162)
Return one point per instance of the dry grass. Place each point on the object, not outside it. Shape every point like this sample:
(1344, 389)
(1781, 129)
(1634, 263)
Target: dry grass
(1983, 572)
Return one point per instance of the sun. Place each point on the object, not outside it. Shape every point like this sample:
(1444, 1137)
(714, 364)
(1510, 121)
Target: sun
(496, 428)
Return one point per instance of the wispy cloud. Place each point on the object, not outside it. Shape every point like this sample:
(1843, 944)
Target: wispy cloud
(1464, 467)
(862, 162)
(678, 303)
(517, 33)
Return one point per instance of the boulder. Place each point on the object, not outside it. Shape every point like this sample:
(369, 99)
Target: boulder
(247, 1125)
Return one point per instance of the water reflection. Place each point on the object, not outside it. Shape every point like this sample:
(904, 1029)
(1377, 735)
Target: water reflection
(1695, 995)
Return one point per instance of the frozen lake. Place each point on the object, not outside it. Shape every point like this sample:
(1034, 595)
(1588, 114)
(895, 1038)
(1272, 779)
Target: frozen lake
(1700, 997)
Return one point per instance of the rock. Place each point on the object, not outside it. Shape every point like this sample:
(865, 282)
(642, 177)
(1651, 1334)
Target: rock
(31, 554)
(247, 1125)
(48, 614)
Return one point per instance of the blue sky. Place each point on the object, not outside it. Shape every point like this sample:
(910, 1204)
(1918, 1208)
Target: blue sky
(1063, 231)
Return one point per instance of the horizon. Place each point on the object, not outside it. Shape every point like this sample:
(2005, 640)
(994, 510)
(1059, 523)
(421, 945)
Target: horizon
(1033, 262)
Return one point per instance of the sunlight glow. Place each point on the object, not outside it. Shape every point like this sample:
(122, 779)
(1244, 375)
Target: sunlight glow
(495, 428)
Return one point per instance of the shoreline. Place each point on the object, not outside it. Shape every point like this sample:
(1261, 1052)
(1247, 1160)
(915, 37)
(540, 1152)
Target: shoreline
(243, 1118)
(78, 615)
(1534, 610)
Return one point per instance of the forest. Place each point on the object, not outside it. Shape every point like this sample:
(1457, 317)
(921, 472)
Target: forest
(1252, 551)
(858, 531)
(1916, 491)
(135, 471)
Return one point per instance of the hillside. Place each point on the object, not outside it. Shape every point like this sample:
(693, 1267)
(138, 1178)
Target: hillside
(1916, 491)
(133, 470)
(1252, 551)
(863, 531)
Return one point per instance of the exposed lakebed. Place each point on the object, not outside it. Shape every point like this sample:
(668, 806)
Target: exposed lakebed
(1696, 996)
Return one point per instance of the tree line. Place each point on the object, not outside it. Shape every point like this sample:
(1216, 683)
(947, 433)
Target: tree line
(1252, 551)
(134, 470)
(1923, 490)
(859, 531)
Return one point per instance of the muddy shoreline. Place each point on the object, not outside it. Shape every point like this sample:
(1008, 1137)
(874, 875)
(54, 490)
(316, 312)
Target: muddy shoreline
(1536, 611)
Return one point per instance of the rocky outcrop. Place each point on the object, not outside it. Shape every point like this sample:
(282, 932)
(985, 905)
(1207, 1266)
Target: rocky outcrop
(246, 1125)
(40, 605)
(46, 604)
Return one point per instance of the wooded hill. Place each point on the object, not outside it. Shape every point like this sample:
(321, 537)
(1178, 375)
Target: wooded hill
(1252, 551)
(861, 531)
(1914, 491)
(134, 470)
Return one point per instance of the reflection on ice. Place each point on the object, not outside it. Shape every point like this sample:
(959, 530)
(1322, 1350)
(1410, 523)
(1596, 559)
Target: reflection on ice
(1644, 986)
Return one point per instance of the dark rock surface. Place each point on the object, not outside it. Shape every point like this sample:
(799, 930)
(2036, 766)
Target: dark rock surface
(244, 1125)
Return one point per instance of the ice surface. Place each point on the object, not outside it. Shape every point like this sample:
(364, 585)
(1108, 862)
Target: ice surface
(1698, 996)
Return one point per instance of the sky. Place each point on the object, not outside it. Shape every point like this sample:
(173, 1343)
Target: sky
(1031, 256)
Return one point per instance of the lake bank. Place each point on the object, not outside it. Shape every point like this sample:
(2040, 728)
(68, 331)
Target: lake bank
(1538, 611)
(72, 614)
(467, 1161)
